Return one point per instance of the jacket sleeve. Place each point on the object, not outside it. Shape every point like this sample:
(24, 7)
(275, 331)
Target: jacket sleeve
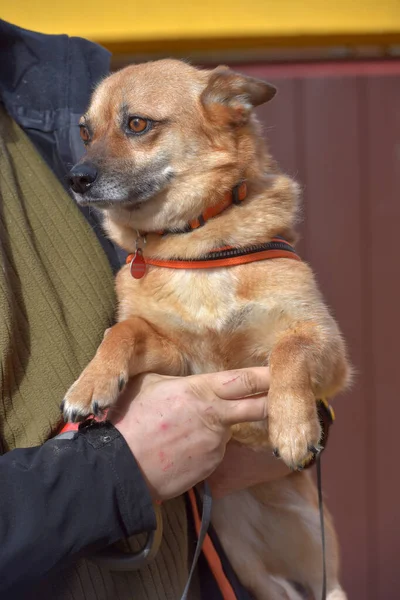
(81, 490)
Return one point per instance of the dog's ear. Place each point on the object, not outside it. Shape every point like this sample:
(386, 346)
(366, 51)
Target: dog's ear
(230, 97)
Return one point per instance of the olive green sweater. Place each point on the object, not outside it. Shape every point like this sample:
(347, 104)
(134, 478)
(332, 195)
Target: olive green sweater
(56, 300)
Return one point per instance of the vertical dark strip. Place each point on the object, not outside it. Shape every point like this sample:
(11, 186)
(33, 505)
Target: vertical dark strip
(330, 151)
(300, 124)
(367, 381)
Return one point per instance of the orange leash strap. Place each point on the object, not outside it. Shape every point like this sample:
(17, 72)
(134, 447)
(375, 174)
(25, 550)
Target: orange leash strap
(220, 257)
(221, 262)
(213, 560)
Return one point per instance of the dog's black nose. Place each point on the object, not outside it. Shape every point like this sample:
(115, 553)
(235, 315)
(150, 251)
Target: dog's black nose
(81, 177)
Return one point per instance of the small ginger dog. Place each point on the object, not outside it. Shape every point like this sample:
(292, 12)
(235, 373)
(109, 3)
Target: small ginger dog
(169, 148)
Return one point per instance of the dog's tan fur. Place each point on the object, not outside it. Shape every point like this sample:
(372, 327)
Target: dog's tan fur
(183, 322)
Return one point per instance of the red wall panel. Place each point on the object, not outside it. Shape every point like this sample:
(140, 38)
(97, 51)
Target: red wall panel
(336, 129)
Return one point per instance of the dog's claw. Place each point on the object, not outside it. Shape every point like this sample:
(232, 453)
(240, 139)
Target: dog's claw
(96, 409)
(121, 383)
(275, 452)
(315, 450)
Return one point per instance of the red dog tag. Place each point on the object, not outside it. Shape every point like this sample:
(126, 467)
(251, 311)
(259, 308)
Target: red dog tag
(138, 265)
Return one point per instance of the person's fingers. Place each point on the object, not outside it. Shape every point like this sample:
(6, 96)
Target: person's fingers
(240, 383)
(241, 411)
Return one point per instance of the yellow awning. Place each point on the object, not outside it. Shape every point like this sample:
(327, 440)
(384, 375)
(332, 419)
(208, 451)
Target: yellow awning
(118, 21)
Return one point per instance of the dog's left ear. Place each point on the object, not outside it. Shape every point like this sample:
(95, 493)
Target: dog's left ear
(230, 97)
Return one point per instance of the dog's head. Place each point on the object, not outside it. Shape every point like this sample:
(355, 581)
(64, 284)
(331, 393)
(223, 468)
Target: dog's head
(164, 139)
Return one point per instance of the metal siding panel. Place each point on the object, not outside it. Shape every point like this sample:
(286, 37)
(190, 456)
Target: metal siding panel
(279, 124)
(334, 241)
(339, 135)
(313, 127)
(283, 128)
(382, 100)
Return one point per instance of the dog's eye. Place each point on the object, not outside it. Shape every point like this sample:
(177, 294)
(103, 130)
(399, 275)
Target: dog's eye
(139, 125)
(85, 135)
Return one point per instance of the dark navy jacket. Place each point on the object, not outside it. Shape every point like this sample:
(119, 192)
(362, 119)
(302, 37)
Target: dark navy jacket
(45, 84)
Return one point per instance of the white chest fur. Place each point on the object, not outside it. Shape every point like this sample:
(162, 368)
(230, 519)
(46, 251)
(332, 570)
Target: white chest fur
(208, 311)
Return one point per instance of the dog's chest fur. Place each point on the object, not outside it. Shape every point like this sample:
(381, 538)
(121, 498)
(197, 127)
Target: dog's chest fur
(220, 319)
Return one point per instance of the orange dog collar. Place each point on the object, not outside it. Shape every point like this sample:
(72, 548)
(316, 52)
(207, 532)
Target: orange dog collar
(235, 196)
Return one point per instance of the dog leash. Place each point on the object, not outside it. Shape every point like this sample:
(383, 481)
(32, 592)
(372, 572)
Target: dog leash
(205, 523)
(322, 523)
(206, 520)
(327, 417)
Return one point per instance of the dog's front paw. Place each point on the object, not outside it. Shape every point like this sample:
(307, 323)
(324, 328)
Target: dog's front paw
(96, 389)
(294, 429)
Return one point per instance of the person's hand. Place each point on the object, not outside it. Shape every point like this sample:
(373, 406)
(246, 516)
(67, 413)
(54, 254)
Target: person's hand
(242, 468)
(178, 428)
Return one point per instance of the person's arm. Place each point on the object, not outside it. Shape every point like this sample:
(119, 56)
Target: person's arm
(78, 494)
(67, 495)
